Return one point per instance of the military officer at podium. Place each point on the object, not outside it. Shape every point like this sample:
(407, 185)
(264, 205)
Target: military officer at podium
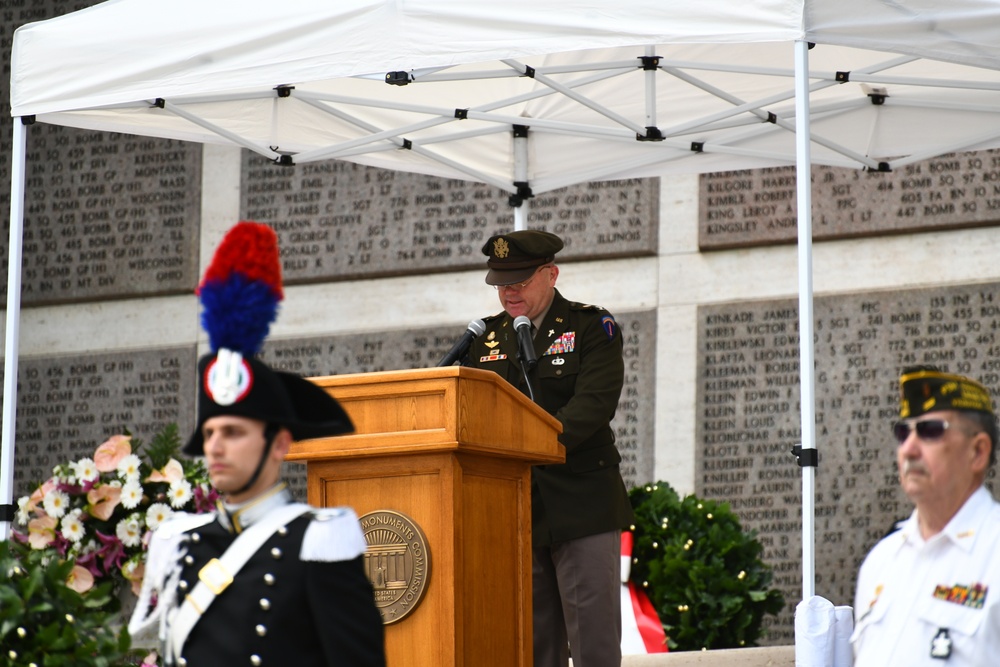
(578, 507)
(262, 580)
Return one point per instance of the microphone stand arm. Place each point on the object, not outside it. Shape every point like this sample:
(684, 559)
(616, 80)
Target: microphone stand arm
(526, 372)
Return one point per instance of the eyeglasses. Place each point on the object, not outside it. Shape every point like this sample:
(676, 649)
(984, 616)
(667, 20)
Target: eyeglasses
(928, 429)
(520, 286)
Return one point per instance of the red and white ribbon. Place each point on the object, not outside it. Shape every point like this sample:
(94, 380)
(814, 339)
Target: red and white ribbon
(642, 631)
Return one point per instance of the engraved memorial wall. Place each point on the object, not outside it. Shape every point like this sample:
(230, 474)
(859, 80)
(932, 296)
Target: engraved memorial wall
(106, 215)
(67, 406)
(338, 220)
(757, 207)
(748, 417)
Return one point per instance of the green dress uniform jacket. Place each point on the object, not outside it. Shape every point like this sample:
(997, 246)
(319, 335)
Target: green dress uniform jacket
(578, 380)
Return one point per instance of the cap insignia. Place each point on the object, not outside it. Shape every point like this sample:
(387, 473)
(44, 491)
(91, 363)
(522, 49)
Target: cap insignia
(228, 378)
(501, 248)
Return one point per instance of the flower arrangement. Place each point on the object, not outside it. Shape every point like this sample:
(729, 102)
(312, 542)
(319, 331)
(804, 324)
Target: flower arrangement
(100, 511)
(701, 570)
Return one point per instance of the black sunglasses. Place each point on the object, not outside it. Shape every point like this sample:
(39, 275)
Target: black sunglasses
(928, 429)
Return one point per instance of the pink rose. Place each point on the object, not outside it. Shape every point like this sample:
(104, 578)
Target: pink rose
(42, 531)
(172, 472)
(109, 455)
(80, 579)
(103, 500)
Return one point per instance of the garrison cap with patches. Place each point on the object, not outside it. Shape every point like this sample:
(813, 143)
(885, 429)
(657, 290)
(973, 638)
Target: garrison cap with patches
(925, 389)
(514, 257)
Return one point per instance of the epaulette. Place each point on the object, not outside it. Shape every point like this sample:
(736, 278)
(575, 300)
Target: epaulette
(334, 534)
(492, 318)
(583, 306)
(181, 522)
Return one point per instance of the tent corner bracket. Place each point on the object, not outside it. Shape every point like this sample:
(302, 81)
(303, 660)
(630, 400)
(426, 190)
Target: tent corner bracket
(653, 133)
(398, 78)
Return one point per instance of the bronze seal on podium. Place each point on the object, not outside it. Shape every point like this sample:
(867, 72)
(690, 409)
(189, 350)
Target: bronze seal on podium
(397, 562)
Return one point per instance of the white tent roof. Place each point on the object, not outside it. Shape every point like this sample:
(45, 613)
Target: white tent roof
(219, 69)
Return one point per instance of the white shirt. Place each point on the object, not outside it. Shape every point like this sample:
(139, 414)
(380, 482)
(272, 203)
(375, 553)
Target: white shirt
(901, 605)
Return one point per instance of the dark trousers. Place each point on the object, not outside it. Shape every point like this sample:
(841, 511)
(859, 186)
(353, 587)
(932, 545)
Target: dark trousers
(577, 602)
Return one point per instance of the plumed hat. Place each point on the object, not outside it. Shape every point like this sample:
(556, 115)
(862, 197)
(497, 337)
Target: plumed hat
(239, 295)
(514, 257)
(925, 389)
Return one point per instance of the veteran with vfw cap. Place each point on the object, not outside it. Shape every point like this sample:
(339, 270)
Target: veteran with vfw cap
(578, 507)
(262, 580)
(929, 592)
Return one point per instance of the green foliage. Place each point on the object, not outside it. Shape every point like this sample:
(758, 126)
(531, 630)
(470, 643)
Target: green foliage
(163, 447)
(46, 623)
(700, 569)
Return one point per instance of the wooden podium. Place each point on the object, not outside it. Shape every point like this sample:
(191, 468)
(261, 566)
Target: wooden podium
(450, 448)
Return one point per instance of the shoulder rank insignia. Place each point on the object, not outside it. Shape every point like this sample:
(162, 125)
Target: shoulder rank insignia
(609, 325)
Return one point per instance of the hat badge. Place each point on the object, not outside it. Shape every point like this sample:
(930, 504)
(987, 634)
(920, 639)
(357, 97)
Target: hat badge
(501, 248)
(228, 378)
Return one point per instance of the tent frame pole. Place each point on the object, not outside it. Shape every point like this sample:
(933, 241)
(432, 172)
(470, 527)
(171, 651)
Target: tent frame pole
(12, 327)
(807, 368)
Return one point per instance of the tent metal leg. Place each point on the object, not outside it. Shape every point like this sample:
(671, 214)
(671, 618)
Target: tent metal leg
(807, 397)
(12, 329)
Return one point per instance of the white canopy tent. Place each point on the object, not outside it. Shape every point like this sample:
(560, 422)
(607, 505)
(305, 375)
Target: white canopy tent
(527, 95)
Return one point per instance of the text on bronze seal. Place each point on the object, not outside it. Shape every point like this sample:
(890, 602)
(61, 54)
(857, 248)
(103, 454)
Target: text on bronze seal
(397, 562)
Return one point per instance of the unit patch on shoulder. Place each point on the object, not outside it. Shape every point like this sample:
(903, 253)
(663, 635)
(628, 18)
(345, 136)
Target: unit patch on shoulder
(608, 323)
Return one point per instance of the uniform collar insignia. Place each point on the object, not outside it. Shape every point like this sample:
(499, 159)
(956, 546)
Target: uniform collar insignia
(234, 518)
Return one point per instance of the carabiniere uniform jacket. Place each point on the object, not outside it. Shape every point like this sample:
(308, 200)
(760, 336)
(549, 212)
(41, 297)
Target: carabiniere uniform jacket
(578, 380)
(282, 610)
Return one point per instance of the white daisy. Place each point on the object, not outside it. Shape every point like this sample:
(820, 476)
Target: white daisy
(128, 467)
(85, 470)
(129, 531)
(131, 494)
(23, 516)
(72, 527)
(56, 503)
(180, 493)
(157, 514)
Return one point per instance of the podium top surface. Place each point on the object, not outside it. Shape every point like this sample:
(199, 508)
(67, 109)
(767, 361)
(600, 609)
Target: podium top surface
(434, 410)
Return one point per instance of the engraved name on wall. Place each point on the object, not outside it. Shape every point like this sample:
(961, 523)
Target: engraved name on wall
(338, 220)
(758, 207)
(67, 406)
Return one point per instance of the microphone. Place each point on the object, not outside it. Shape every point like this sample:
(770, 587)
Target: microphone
(522, 325)
(475, 328)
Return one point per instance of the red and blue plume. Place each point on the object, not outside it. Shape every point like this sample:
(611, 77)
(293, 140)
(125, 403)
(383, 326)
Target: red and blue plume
(241, 289)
